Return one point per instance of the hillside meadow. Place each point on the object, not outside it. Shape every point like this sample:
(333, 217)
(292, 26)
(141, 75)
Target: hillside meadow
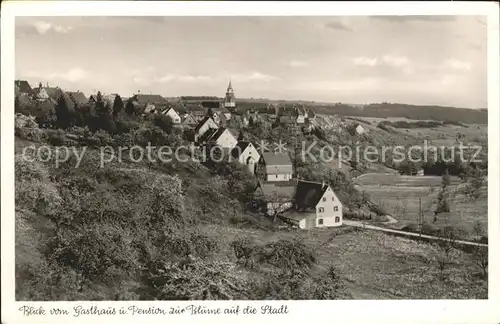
(400, 196)
(129, 231)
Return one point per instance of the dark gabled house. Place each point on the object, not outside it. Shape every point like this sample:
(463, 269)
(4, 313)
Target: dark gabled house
(144, 99)
(77, 97)
(54, 92)
(23, 87)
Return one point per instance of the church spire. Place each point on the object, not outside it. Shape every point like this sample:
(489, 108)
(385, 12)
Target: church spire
(229, 87)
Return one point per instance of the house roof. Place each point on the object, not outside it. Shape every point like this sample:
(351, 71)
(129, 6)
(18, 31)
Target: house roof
(53, 92)
(309, 193)
(23, 86)
(189, 119)
(149, 98)
(77, 97)
(239, 148)
(165, 110)
(286, 119)
(271, 158)
(277, 163)
(209, 135)
(284, 188)
(201, 123)
(219, 133)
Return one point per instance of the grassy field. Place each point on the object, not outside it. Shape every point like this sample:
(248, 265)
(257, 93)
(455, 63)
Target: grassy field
(445, 136)
(400, 197)
(377, 265)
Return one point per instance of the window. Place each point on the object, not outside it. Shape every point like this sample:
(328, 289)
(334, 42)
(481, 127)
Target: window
(333, 198)
(320, 221)
(337, 219)
(336, 208)
(324, 198)
(321, 209)
(276, 176)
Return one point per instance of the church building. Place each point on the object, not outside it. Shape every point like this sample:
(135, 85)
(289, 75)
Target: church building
(230, 101)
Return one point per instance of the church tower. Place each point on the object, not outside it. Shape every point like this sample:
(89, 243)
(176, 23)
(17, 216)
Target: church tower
(230, 100)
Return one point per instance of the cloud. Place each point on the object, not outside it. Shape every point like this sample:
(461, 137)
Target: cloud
(403, 19)
(297, 63)
(457, 65)
(255, 76)
(386, 60)
(338, 25)
(365, 61)
(396, 61)
(73, 75)
(43, 27)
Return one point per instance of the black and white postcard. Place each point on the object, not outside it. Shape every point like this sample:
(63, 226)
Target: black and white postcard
(244, 161)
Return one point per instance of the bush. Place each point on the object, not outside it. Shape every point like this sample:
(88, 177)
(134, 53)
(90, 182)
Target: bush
(56, 137)
(163, 122)
(288, 255)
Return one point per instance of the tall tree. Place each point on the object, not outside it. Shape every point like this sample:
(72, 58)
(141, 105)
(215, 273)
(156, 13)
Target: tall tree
(130, 107)
(64, 112)
(103, 113)
(117, 105)
(241, 137)
(446, 180)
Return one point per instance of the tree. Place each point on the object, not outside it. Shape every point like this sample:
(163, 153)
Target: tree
(103, 113)
(241, 137)
(17, 105)
(446, 180)
(117, 105)
(443, 205)
(474, 185)
(130, 107)
(64, 112)
(164, 122)
(480, 253)
(446, 248)
(401, 208)
(210, 113)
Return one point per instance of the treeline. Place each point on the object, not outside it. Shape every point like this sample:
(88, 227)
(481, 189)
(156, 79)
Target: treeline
(384, 110)
(200, 98)
(417, 124)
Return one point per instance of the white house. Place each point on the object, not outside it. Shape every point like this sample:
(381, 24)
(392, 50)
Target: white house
(174, 116)
(360, 130)
(247, 154)
(278, 166)
(221, 137)
(300, 115)
(150, 109)
(189, 120)
(203, 126)
(315, 205)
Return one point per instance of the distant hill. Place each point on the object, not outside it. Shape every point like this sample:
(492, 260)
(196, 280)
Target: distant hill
(384, 110)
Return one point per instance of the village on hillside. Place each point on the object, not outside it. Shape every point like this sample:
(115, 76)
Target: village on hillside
(216, 122)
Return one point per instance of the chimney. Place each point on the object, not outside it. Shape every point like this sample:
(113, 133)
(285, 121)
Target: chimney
(323, 184)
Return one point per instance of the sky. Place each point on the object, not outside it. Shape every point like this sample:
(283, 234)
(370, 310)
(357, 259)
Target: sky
(424, 60)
